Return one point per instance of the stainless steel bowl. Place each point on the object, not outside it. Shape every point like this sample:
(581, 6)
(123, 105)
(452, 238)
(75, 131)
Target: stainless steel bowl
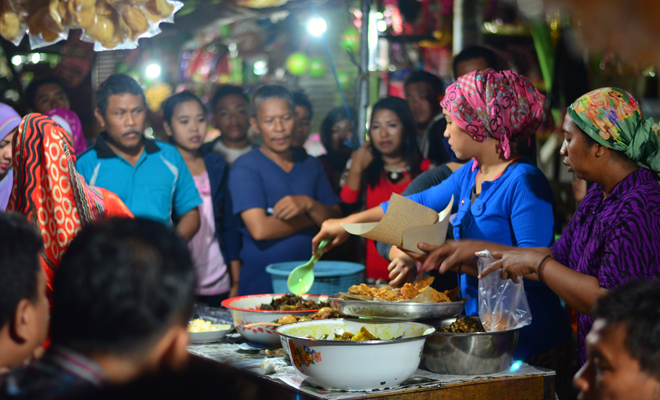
(469, 353)
(398, 310)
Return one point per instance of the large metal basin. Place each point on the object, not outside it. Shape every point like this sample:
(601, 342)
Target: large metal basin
(469, 353)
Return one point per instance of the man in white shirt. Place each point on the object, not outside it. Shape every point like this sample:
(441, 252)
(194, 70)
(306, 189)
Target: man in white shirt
(230, 108)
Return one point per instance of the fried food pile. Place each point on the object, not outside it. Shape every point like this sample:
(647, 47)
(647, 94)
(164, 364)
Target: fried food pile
(109, 22)
(291, 302)
(464, 325)
(323, 313)
(409, 291)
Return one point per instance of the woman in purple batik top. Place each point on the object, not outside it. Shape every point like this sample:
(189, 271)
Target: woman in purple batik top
(615, 235)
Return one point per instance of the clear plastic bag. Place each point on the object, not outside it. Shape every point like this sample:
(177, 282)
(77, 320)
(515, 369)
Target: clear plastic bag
(502, 303)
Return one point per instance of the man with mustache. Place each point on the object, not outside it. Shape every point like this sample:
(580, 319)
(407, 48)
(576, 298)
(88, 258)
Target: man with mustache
(150, 177)
(282, 196)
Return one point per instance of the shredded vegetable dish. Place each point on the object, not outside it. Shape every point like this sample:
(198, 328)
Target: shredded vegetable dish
(463, 325)
(291, 302)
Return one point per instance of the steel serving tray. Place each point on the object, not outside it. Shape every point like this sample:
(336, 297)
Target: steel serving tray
(396, 310)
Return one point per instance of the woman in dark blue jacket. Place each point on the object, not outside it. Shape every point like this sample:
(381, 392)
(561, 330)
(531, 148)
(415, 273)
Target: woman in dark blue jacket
(216, 246)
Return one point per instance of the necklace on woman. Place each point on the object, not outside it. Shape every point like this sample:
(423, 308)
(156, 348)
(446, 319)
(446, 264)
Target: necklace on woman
(395, 174)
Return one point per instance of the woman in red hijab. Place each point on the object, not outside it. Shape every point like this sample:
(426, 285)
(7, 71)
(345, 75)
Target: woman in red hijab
(50, 193)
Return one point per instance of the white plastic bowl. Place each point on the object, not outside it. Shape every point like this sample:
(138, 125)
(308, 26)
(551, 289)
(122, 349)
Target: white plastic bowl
(243, 311)
(359, 365)
(209, 336)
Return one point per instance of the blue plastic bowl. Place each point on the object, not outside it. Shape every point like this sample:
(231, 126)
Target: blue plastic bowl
(330, 277)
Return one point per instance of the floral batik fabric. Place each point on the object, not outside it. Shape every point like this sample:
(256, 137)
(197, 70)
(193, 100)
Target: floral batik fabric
(613, 118)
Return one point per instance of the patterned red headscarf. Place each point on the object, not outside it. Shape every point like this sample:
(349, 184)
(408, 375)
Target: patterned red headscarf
(503, 105)
(50, 193)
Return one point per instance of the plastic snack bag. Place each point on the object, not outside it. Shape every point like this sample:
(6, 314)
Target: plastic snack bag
(502, 303)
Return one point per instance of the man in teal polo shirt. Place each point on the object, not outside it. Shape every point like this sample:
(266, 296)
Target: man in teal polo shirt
(150, 177)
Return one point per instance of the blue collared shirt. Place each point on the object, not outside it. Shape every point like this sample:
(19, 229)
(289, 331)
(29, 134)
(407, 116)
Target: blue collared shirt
(157, 187)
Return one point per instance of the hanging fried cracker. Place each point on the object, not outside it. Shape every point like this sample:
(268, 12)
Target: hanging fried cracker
(159, 9)
(103, 30)
(10, 25)
(135, 19)
(83, 12)
(38, 26)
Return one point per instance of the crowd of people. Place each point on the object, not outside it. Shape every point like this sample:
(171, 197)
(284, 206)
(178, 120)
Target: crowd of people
(116, 241)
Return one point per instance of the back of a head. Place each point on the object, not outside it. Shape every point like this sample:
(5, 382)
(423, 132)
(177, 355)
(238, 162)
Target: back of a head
(19, 263)
(268, 92)
(227, 90)
(301, 99)
(474, 52)
(636, 307)
(117, 84)
(31, 89)
(427, 77)
(121, 284)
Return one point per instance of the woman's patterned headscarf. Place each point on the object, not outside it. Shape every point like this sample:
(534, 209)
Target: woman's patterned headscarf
(612, 117)
(503, 105)
(50, 193)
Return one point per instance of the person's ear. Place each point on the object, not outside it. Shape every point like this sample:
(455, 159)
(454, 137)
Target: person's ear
(174, 351)
(600, 150)
(255, 127)
(99, 118)
(19, 327)
(168, 128)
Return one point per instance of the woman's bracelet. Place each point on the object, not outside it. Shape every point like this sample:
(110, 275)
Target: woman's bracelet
(541, 264)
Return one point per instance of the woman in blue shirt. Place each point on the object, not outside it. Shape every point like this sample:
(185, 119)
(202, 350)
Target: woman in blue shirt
(498, 195)
(282, 196)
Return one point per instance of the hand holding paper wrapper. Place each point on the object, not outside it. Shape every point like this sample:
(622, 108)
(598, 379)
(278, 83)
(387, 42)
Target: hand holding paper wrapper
(405, 224)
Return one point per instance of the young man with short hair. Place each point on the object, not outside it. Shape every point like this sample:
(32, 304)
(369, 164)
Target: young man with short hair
(304, 114)
(423, 92)
(623, 347)
(150, 177)
(123, 296)
(474, 58)
(23, 302)
(46, 94)
(282, 196)
(230, 107)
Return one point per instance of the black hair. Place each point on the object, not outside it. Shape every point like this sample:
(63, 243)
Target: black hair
(20, 244)
(410, 150)
(474, 52)
(301, 99)
(117, 84)
(121, 284)
(170, 104)
(636, 307)
(267, 92)
(427, 77)
(31, 89)
(335, 115)
(227, 90)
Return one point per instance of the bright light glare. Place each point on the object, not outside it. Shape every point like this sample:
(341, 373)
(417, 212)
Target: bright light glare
(316, 26)
(35, 58)
(153, 71)
(17, 60)
(382, 26)
(260, 68)
(515, 366)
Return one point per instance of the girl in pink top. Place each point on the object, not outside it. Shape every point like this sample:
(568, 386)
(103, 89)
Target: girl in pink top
(215, 247)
